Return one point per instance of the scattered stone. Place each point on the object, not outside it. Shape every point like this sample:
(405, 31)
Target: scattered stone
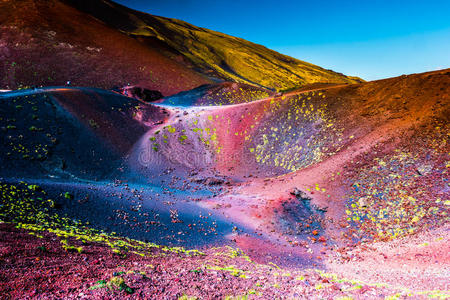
(424, 169)
(208, 180)
(299, 194)
(362, 202)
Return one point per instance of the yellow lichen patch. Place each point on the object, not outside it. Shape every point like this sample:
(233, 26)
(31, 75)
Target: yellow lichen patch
(388, 200)
(304, 134)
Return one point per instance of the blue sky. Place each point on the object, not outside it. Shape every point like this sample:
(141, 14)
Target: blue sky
(372, 39)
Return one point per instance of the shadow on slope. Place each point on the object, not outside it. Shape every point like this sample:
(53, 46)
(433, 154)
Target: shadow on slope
(217, 94)
(69, 132)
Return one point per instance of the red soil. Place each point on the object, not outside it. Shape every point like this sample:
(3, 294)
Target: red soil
(32, 267)
(49, 43)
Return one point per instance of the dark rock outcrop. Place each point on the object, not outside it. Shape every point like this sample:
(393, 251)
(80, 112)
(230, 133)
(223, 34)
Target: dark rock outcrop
(141, 93)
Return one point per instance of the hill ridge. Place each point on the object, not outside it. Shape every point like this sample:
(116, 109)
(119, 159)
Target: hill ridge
(214, 52)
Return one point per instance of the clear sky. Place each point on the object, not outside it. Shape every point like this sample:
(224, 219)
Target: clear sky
(371, 39)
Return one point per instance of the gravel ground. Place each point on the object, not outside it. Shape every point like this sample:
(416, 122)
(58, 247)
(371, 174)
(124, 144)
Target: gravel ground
(36, 266)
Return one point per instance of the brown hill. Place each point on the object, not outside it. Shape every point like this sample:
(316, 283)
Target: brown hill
(210, 52)
(103, 44)
(50, 43)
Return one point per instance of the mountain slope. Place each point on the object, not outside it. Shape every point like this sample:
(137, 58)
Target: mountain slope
(49, 43)
(212, 53)
(103, 44)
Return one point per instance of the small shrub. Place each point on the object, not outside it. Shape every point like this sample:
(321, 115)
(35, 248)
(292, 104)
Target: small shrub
(119, 283)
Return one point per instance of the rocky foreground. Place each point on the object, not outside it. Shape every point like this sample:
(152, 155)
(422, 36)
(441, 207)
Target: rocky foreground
(47, 266)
